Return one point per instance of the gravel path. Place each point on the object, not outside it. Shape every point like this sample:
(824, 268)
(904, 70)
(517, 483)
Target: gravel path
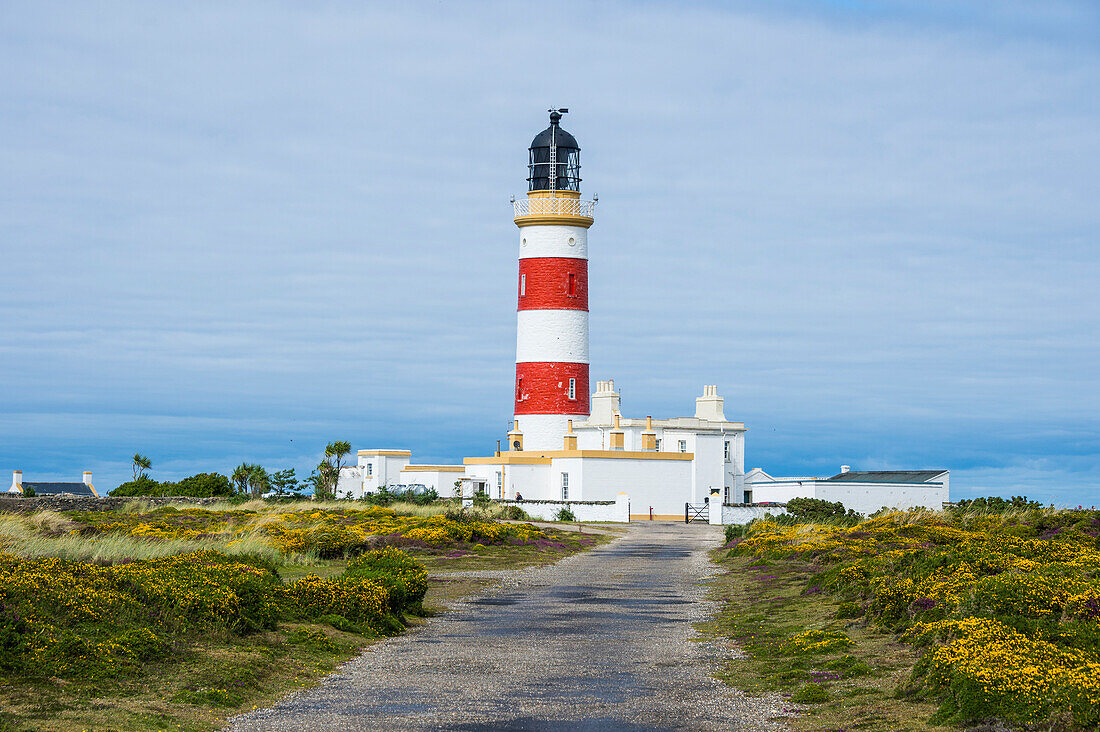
(599, 641)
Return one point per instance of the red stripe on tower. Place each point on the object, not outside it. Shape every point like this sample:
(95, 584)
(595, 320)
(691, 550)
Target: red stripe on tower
(552, 388)
(553, 283)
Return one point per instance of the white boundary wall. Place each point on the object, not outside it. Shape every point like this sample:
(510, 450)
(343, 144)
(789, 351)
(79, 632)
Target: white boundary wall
(617, 511)
(865, 498)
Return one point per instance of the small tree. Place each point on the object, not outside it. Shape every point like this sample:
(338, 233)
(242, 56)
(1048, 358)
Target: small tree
(323, 479)
(258, 480)
(251, 478)
(285, 482)
(335, 452)
(240, 477)
(326, 476)
(140, 465)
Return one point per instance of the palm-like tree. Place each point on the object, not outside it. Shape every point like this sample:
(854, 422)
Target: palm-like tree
(140, 464)
(251, 478)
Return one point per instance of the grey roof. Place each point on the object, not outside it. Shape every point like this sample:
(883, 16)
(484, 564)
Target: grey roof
(561, 138)
(53, 489)
(887, 476)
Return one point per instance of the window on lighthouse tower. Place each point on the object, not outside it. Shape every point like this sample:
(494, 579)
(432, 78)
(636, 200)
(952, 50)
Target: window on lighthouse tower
(572, 286)
(572, 388)
(523, 285)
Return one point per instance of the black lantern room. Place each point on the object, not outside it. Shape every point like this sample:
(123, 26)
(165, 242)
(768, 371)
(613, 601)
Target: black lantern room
(555, 158)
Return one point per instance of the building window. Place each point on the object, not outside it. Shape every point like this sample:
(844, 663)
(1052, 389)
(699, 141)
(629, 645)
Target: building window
(748, 497)
(683, 445)
(572, 284)
(727, 451)
(519, 389)
(500, 484)
(523, 285)
(370, 468)
(565, 486)
(726, 495)
(657, 445)
(572, 388)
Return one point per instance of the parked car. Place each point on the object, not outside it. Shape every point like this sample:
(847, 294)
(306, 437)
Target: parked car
(417, 488)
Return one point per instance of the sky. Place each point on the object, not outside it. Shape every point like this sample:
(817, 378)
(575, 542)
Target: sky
(238, 231)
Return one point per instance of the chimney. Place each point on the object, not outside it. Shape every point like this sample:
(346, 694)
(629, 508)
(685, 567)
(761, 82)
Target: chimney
(16, 482)
(845, 468)
(88, 482)
(605, 403)
(710, 406)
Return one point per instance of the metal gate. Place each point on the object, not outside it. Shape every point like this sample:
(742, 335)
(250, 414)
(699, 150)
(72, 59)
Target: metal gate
(696, 512)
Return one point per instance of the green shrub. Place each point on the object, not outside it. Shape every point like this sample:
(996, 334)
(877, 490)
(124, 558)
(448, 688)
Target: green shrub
(816, 509)
(203, 485)
(858, 669)
(312, 638)
(566, 515)
(849, 610)
(734, 531)
(142, 486)
(339, 622)
(515, 513)
(405, 579)
(810, 694)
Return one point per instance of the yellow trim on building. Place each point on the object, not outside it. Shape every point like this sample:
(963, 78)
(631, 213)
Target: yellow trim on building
(399, 453)
(557, 194)
(543, 458)
(552, 220)
(433, 468)
(513, 458)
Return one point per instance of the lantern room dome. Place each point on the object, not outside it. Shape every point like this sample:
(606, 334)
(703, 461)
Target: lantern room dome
(555, 158)
(564, 139)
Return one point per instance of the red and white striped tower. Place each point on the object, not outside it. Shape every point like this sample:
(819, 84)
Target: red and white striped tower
(552, 320)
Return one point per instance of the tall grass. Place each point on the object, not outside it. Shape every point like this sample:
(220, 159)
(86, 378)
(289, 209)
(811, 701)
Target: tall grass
(51, 534)
(23, 536)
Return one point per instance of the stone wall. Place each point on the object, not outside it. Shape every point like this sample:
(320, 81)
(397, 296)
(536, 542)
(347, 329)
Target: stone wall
(23, 504)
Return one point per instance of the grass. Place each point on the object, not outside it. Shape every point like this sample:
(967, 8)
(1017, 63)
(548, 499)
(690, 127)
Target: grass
(217, 674)
(213, 681)
(847, 688)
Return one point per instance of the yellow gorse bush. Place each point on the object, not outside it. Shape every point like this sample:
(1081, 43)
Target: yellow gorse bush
(1006, 607)
(327, 532)
(76, 619)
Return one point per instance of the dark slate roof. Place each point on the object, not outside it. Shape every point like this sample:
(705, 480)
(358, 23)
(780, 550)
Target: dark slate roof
(53, 489)
(562, 138)
(887, 476)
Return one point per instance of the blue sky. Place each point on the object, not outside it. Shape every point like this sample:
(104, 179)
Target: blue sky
(239, 232)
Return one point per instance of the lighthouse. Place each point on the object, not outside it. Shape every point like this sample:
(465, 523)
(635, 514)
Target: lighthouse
(551, 386)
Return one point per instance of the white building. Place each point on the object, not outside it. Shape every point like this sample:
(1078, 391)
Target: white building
(864, 491)
(564, 445)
